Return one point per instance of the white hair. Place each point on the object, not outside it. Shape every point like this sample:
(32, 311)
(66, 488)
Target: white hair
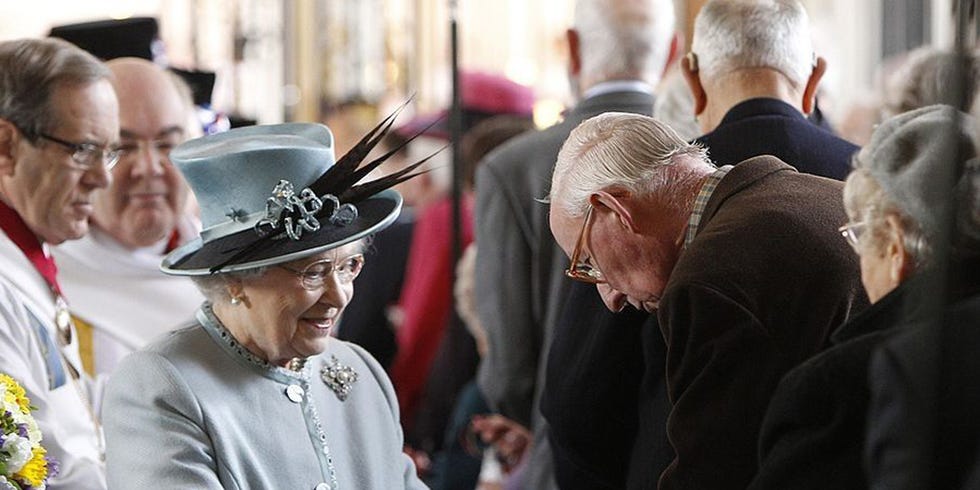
(630, 151)
(624, 39)
(731, 35)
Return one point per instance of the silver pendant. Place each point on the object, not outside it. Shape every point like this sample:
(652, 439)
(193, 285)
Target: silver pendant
(339, 378)
(62, 320)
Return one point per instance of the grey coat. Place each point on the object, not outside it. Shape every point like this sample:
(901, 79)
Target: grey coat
(195, 410)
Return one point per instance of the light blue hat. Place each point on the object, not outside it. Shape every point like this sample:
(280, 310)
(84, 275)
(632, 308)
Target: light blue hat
(272, 194)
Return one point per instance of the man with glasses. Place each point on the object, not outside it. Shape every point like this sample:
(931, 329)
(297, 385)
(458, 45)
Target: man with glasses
(142, 216)
(741, 265)
(59, 131)
(535, 320)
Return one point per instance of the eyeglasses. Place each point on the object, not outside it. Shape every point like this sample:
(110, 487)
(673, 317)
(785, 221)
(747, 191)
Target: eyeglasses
(87, 155)
(852, 233)
(314, 275)
(581, 271)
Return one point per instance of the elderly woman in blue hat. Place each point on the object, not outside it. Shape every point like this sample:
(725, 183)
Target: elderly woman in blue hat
(256, 393)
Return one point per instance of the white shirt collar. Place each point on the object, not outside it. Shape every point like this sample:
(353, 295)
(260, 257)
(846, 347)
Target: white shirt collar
(617, 86)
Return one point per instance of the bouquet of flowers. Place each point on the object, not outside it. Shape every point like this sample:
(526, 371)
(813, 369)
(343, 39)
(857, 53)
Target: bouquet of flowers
(23, 464)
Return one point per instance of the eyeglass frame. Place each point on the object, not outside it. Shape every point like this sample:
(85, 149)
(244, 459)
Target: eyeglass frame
(305, 277)
(580, 271)
(851, 234)
(108, 156)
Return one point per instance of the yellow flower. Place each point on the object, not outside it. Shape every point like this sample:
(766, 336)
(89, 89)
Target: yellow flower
(15, 393)
(36, 470)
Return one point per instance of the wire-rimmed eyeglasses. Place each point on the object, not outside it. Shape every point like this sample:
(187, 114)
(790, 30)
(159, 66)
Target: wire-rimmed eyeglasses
(86, 155)
(852, 231)
(315, 274)
(582, 271)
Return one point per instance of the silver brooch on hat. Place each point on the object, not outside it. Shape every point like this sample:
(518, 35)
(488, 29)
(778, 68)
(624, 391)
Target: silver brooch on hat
(290, 212)
(339, 378)
(293, 214)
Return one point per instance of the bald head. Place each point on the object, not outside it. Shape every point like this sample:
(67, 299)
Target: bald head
(147, 196)
(149, 96)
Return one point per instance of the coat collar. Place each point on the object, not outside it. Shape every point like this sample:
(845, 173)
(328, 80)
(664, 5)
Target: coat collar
(741, 176)
(625, 101)
(905, 305)
(762, 106)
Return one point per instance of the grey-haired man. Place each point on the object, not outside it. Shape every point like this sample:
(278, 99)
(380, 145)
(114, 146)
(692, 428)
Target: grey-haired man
(59, 127)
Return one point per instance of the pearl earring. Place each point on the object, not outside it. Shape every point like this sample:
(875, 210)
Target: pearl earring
(235, 301)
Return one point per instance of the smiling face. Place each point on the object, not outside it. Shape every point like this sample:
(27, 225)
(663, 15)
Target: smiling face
(42, 183)
(281, 320)
(148, 194)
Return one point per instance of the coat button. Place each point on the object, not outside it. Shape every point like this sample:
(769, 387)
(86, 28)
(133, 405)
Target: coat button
(295, 393)
(322, 486)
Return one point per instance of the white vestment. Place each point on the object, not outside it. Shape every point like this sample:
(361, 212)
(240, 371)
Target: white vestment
(122, 294)
(30, 353)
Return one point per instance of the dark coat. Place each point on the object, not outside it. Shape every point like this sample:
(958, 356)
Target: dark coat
(758, 291)
(604, 371)
(813, 434)
(924, 431)
(772, 127)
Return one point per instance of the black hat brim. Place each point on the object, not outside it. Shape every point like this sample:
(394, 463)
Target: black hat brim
(197, 258)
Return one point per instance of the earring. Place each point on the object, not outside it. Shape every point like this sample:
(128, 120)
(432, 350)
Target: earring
(235, 300)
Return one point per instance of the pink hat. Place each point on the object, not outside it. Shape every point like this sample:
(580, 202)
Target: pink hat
(483, 95)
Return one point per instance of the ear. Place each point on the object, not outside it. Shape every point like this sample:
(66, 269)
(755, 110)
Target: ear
(810, 91)
(236, 288)
(618, 203)
(900, 265)
(574, 52)
(9, 136)
(689, 67)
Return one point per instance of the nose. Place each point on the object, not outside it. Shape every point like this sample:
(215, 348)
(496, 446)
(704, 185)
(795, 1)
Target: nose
(615, 301)
(335, 293)
(148, 162)
(97, 177)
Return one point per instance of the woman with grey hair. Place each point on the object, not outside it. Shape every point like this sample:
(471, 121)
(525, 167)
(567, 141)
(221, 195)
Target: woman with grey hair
(814, 430)
(256, 393)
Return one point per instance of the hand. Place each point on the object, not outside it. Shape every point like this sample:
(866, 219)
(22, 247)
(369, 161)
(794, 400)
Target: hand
(509, 439)
(421, 459)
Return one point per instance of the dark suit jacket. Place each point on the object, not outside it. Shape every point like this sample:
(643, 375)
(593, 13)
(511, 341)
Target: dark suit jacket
(758, 291)
(520, 283)
(605, 398)
(772, 127)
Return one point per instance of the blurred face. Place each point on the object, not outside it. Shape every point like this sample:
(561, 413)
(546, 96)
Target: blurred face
(51, 194)
(148, 194)
(884, 262)
(875, 274)
(284, 319)
(634, 267)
